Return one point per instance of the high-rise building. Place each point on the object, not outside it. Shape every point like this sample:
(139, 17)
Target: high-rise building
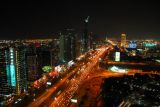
(91, 40)
(73, 45)
(123, 40)
(43, 57)
(5, 75)
(67, 45)
(31, 63)
(62, 48)
(68, 51)
(32, 68)
(85, 37)
(10, 60)
(21, 71)
(38, 55)
(13, 70)
(54, 52)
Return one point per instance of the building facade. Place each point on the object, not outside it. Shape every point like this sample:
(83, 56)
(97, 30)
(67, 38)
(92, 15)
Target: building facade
(13, 70)
(123, 40)
(67, 46)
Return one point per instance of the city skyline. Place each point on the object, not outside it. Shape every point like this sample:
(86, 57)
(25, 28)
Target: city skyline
(79, 71)
(21, 20)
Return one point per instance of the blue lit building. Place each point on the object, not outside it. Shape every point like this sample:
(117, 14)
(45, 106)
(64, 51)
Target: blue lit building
(8, 71)
(12, 71)
(132, 45)
(5, 77)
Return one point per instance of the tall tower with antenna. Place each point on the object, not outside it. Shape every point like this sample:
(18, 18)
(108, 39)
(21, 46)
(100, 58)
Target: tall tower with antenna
(85, 43)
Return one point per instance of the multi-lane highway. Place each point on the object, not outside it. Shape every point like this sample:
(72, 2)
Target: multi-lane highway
(78, 74)
(64, 98)
(38, 101)
(101, 74)
(75, 78)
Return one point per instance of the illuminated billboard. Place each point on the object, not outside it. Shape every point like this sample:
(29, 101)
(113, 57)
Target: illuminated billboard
(117, 56)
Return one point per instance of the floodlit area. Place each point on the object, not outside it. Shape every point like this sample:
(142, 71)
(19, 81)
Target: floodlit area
(117, 69)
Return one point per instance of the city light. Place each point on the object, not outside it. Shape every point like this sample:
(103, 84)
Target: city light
(52, 55)
(117, 56)
(58, 68)
(47, 68)
(120, 70)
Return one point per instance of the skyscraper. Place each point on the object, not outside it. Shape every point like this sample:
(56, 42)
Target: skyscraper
(43, 57)
(67, 45)
(5, 75)
(54, 52)
(73, 45)
(31, 63)
(123, 40)
(21, 71)
(13, 70)
(90, 40)
(62, 48)
(85, 37)
(32, 68)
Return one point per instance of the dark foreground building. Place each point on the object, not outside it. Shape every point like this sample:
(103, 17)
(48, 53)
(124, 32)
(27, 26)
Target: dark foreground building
(134, 91)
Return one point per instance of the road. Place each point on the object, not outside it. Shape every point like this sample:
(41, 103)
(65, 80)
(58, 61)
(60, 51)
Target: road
(64, 98)
(77, 77)
(131, 63)
(73, 84)
(100, 74)
(50, 91)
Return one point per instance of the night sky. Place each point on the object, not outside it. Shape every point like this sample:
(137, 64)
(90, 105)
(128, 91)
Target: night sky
(42, 19)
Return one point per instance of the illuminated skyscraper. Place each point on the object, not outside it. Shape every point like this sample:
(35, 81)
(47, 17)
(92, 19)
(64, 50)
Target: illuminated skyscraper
(62, 48)
(85, 43)
(8, 71)
(73, 45)
(123, 40)
(13, 70)
(21, 71)
(67, 45)
(54, 52)
(5, 75)
(12, 67)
